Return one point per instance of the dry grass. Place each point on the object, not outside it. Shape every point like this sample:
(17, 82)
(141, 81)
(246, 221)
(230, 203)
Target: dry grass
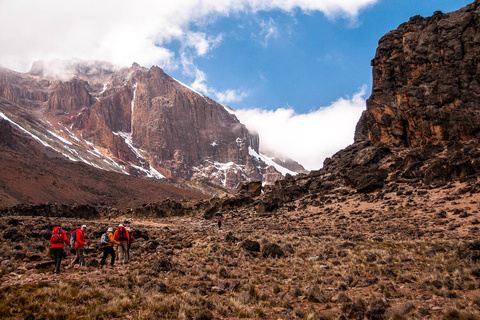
(205, 277)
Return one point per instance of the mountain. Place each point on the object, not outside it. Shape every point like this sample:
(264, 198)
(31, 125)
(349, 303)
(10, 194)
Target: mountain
(134, 121)
(32, 173)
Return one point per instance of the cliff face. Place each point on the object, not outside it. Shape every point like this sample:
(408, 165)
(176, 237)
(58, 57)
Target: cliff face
(426, 82)
(138, 121)
(170, 126)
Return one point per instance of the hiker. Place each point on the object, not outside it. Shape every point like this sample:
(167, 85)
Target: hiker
(78, 239)
(58, 238)
(122, 237)
(130, 234)
(219, 216)
(107, 242)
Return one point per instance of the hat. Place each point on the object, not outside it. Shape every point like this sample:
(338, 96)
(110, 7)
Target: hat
(120, 225)
(84, 226)
(131, 228)
(110, 229)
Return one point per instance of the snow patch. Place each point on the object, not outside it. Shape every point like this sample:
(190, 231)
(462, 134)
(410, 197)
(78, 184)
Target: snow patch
(2, 115)
(128, 140)
(105, 86)
(270, 162)
(59, 138)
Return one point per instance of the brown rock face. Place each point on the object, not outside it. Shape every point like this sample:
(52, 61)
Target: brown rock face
(138, 121)
(426, 82)
(70, 96)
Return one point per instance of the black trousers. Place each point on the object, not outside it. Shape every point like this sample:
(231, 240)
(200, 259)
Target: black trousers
(108, 251)
(58, 255)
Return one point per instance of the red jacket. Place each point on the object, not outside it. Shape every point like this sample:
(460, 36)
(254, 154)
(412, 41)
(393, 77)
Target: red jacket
(79, 238)
(60, 245)
(121, 241)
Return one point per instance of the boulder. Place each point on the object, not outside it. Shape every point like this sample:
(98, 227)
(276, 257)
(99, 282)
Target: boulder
(249, 245)
(272, 250)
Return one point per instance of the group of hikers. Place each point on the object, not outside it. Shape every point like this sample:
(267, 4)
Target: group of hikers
(122, 238)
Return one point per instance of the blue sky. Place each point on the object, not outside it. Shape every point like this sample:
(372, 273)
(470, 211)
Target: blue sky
(297, 71)
(308, 61)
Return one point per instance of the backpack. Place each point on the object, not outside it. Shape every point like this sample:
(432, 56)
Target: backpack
(73, 238)
(57, 235)
(104, 240)
(121, 234)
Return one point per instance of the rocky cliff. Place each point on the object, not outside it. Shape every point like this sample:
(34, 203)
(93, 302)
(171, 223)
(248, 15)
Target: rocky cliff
(426, 86)
(137, 121)
(421, 127)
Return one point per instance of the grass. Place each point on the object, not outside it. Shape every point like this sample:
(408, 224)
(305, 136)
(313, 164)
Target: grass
(341, 278)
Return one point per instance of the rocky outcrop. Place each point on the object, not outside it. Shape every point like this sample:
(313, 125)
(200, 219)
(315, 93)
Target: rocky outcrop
(426, 82)
(70, 96)
(53, 210)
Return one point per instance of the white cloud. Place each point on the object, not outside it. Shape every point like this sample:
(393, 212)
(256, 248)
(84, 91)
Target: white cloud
(269, 31)
(123, 32)
(307, 138)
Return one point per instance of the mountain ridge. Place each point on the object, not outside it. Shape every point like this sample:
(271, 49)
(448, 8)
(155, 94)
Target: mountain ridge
(138, 121)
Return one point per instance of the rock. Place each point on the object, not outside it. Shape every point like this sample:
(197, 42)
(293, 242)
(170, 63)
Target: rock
(249, 245)
(377, 306)
(399, 310)
(7, 265)
(272, 250)
(92, 262)
(13, 222)
(417, 95)
(329, 314)
(315, 294)
(218, 290)
(253, 188)
(230, 238)
(155, 285)
(341, 297)
(150, 246)
(9, 233)
(288, 248)
(162, 265)
(44, 265)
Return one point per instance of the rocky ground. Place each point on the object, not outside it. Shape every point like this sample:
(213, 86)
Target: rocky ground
(400, 253)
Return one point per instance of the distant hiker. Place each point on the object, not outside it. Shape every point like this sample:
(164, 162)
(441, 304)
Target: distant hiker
(57, 239)
(219, 216)
(107, 240)
(130, 234)
(123, 238)
(109, 216)
(78, 240)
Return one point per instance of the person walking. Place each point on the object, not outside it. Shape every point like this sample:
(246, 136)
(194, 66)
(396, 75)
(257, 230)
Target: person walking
(130, 241)
(107, 241)
(78, 238)
(219, 216)
(58, 239)
(123, 238)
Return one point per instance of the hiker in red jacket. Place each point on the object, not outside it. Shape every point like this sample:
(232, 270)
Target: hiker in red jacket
(78, 237)
(123, 238)
(57, 239)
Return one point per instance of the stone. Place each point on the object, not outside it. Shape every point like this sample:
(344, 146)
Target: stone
(399, 310)
(272, 250)
(249, 245)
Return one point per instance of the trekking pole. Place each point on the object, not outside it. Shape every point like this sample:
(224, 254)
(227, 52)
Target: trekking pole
(83, 256)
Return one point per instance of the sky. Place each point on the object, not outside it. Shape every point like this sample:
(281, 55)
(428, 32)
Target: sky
(297, 71)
